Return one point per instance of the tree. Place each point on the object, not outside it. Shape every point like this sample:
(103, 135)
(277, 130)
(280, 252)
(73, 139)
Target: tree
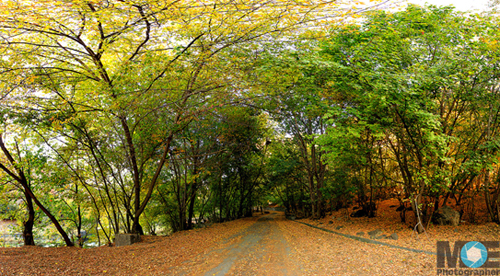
(293, 93)
(412, 80)
(288, 177)
(136, 72)
(16, 170)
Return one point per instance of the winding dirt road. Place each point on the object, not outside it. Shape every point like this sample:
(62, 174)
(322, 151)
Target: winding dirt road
(262, 245)
(274, 245)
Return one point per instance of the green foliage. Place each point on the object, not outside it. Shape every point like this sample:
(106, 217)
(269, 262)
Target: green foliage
(404, 102)
(415, 88)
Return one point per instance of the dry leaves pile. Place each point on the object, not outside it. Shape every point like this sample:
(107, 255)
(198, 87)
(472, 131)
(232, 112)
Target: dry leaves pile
(323, 253)
(250, 247)
(153, 256)
(389, 221)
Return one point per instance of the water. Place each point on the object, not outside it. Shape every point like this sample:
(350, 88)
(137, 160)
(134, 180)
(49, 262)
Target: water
(9, 238)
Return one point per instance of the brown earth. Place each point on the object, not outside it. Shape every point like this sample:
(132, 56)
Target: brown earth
(389, 221)
(262, 245)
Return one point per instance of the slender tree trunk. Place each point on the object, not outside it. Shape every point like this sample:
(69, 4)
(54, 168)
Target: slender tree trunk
(28, 224)
(312, 194)
(418, 215)
(193, 190)
(21, 179)
(489, 203)
(191, 211)
(58, 226)
(79, 227)
(136, 227)
(492, 209)
(182, 217)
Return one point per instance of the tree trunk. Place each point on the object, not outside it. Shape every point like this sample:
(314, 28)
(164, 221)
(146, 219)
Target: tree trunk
(136, 227)
(28, 224)
(191, 211)
(21, 179)
(418, 216)
(490, 204)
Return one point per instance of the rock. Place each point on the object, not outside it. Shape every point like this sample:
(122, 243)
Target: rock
(339, 227)
(330, 222)
(394, 236)
(375, 233)
(126, 239)
(379, 237)
(446, 216)
(360, 234)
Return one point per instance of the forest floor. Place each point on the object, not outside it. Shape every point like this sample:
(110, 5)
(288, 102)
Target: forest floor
(266, 244)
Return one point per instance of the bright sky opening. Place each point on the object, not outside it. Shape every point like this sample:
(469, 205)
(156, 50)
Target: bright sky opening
(463, 5)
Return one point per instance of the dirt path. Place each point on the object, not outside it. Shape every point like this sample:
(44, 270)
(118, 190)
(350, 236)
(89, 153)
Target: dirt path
(262, 245)
(258, 250)
(276, 246)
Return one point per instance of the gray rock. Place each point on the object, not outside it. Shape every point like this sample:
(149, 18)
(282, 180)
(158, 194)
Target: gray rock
(360, 234)
(375, 233)
(339, 227)
(446, 216)
(379, 237)
(126, 239)
(394, 236)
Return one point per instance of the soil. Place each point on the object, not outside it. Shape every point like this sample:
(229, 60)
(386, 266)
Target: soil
(388, 220)
(266, 244)
(260, 249)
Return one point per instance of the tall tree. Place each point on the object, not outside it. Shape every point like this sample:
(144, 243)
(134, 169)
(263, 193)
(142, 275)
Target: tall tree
(413, 79)
(120, 67)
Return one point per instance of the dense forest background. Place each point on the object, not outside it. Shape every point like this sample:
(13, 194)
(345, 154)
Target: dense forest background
(151, 117)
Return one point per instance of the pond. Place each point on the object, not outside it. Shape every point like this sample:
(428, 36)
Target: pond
(10, 238)
(7, 237)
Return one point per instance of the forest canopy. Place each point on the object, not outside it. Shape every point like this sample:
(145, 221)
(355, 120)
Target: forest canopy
(152, 116)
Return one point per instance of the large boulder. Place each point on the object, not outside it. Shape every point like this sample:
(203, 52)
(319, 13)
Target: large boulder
(446, 216)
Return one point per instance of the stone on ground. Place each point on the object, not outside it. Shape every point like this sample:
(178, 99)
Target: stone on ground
(446, 216)
(375, 233)
(126, 239)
